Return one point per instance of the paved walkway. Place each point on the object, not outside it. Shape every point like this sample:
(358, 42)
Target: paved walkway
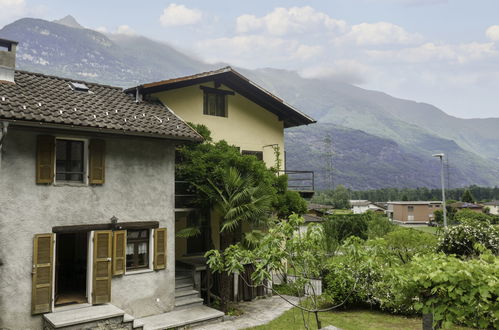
(256, 312)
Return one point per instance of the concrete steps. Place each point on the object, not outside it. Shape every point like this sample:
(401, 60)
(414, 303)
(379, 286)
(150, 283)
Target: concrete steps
(185, 296)
(88, 317)
(177, 319)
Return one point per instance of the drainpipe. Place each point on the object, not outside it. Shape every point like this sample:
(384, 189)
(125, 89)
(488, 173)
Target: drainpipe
(3, 134)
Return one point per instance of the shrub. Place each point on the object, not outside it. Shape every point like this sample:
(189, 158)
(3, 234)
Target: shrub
(454, 290)
(462, 239)
(378, 226)
(405, 243)
(339, 227)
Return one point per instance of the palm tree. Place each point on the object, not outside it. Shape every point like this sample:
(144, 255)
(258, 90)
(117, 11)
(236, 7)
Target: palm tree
(239, 199)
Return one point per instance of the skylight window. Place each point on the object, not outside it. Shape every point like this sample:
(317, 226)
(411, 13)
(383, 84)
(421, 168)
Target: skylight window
(80, 87)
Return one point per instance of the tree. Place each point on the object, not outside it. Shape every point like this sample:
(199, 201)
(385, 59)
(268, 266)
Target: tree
(239, 199)
(283, 247)
(341, 197)
(467, 197)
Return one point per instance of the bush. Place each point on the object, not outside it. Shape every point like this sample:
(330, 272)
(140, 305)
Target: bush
(378, 226)
(405, 243)
(462, 239)
(339, 227)
(454, 290)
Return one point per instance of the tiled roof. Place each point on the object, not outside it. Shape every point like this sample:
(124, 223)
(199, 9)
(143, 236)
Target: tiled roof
(41, 99)
(496, 203)
(231, 78)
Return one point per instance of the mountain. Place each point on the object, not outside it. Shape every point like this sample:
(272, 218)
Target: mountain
(377, 140)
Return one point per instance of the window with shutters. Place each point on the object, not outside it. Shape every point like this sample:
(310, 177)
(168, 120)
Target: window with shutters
(137, 249)
(70, 160)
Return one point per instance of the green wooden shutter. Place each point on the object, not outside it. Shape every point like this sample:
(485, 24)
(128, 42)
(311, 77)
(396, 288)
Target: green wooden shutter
(101, 281)
(45, 159)
(43, 255)
(119, 252)
(96, 163)
(160, 248)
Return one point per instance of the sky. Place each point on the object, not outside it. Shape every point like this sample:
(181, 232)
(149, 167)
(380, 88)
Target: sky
(442, 52)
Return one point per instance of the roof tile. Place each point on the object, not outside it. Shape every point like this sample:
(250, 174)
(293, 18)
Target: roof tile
(48, 99)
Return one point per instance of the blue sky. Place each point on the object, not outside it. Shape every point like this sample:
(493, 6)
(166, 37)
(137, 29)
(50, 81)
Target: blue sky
(443, 52)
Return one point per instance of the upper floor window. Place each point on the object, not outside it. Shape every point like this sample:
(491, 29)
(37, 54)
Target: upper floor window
(70, 160)
(215, 104)
(257, 154)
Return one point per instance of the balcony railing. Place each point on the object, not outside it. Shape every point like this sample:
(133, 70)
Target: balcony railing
(301, 181)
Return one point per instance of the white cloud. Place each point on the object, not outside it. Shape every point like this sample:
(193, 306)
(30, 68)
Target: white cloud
(305, 52)
(493, 32)
(11, 9)
(431, 52)
(381, 33)
(102, 29)
(249, 50)
(282, 21)
(126, 30)
(176, 15)
(348, 71)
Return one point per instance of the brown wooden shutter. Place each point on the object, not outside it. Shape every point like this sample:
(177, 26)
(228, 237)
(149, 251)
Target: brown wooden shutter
(43, 255)
(101, 285)
(160, 248)
(119, 252)
(45, 149)
(96, 171)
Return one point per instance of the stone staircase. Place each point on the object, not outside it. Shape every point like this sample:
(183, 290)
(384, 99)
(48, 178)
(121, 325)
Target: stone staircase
(185, 295)
(189, 310)
(86, 316)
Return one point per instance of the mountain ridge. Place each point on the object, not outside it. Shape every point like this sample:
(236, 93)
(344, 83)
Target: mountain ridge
(417, 129)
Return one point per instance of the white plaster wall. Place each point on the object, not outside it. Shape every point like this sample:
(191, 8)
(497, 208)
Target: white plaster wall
(139, 187)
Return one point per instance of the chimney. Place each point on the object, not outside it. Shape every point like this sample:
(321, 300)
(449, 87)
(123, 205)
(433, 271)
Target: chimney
(7, 60)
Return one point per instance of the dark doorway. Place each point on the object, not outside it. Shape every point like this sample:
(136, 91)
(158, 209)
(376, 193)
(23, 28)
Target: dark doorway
(201, 243)
(71, 268)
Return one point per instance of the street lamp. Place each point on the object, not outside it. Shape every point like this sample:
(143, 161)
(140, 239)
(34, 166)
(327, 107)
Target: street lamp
(441, 156)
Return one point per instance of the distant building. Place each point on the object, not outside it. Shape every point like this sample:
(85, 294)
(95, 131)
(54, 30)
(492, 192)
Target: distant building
(469, 206)
(413, 212)
(361, 206)
(493, 206)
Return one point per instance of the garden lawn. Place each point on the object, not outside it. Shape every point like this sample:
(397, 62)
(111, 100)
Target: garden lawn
(426, 229)
(347, 320)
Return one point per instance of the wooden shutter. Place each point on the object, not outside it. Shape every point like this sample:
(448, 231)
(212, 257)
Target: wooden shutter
(119, 252)
(160, 248)
(101, 272)
(45, 149)
(43, 255)
(96, 171)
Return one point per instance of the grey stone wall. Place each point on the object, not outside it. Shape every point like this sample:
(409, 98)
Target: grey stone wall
(139, 187)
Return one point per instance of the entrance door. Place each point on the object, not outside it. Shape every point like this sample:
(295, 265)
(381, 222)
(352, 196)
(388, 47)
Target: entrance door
(71, 268)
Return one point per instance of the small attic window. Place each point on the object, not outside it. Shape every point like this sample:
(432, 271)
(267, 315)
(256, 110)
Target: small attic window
(80, 87)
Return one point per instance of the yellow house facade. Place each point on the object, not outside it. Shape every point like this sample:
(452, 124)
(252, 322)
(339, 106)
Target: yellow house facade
(235, 110)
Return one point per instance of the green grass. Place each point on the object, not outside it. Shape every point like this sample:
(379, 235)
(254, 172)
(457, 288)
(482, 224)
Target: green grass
(426, 229)
(342, 211)
(347, 320)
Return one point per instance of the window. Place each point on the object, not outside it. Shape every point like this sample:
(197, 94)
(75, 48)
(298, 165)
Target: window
(137, 249)
(70, 160)
(257, 154)
(215, 104)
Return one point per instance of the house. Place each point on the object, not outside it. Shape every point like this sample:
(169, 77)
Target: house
(413, 212)
(467, 206)
(361, 206)
(238, 111)
(319, 209)
(87, 201)
(493, 207)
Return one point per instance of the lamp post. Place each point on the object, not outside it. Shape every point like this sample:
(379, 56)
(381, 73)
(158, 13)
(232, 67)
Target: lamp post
(441, 156)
